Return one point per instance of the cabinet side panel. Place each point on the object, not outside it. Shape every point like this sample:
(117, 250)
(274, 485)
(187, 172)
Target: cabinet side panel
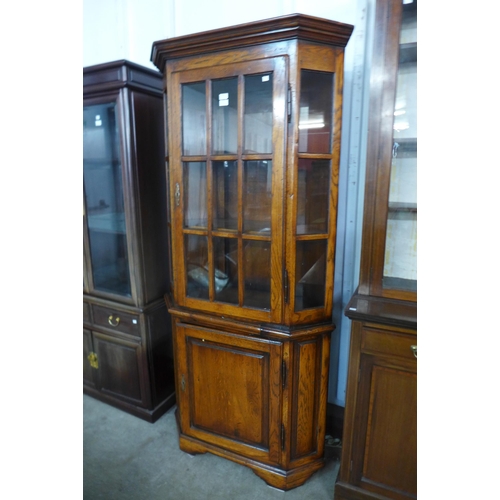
(160, 354)
(305, 399)
(149, 151)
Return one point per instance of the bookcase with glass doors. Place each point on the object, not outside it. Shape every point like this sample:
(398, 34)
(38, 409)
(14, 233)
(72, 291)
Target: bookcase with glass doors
(253, 147)
(127, 345)
(379, 445)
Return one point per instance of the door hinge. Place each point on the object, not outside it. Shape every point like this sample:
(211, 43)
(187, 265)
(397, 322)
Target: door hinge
(282, 437)
(285, 286)
(289, 104)
(92, 357)
(283, 373)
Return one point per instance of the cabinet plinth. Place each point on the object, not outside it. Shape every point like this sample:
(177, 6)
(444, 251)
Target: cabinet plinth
(253, 148)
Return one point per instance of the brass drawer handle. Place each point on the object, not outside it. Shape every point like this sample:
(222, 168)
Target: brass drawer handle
(110, 320)
(414, 350)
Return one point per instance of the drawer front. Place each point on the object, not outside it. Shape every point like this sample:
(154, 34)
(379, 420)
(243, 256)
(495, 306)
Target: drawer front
(391, 344)
(116, 320)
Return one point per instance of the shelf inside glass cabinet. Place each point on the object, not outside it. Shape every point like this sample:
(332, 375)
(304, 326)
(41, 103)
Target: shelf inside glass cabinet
(400, 263)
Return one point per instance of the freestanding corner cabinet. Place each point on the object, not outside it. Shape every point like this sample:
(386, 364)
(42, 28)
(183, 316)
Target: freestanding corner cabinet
(254, 122)
(379, 445)
(127, 344)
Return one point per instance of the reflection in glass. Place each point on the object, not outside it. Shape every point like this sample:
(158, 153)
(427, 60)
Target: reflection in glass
(226, 270)
(316, 109)
(102, 177)
(258, 116)
(400, 264)
(310, 274)
(257, 199)
(225, 196)
(196, 257)
(313, 194)
(194, 123)
(195, 194)
(225, 116)
(257, 271)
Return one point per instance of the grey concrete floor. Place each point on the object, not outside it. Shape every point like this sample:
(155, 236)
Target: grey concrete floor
(127, 458)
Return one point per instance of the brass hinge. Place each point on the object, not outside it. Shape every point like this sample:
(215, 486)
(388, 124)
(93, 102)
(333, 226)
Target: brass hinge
(92, 357)
(282, 437)
(283, 372)
(285, 286)
(289, 104)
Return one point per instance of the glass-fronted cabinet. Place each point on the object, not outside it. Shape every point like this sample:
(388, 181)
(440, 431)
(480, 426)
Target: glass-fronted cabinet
(254, 125)
(379, 448)
(127, 351)
(104, 204)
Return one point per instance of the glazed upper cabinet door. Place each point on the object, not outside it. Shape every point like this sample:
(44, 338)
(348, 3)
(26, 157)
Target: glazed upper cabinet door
(389, 261)
(313, 184)
(227, 140)
(105, 229)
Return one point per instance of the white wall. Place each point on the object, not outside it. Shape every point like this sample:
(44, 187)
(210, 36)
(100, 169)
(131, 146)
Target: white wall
(126, 29)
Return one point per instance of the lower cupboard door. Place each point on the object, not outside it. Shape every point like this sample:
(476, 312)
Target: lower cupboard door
(120, 370)
(230, 391)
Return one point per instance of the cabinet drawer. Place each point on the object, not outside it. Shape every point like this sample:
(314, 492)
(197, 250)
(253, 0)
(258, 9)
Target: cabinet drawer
(116, 320)
(392, 344)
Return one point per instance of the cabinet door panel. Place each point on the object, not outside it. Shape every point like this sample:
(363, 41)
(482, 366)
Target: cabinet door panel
(230, 390)
(386, 460)
(120, 368)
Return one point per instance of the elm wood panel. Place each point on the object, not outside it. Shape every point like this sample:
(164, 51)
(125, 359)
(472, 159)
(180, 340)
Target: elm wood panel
(376, 341)
(121, 372)
(306, 371)
(88, 371)
(214, 370)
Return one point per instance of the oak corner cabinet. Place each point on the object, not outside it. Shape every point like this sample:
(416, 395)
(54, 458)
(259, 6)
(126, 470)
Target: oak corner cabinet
(254, 123)
(127, 339)
(379, 445)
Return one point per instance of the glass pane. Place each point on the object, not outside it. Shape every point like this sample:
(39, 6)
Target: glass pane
(257, 270)
(102, 178)
(225, 116)
(258, 120)
(194, 122)
(196, 248)
(257, 196)
(310, 274)
(225, 195)
(226, 270)
(195, 194)
(313, 196)
(316, 109)
(400, 265)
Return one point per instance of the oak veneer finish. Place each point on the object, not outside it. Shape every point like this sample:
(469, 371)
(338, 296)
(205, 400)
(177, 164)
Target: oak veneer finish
(252, 383)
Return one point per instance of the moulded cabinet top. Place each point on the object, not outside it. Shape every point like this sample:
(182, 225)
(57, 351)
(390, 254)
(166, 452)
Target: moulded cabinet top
(118, 74)
(290, 27)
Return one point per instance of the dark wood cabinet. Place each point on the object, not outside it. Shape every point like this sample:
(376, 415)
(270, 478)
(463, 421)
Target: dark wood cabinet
(379, 446)
(127, 344)
(254, 123)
